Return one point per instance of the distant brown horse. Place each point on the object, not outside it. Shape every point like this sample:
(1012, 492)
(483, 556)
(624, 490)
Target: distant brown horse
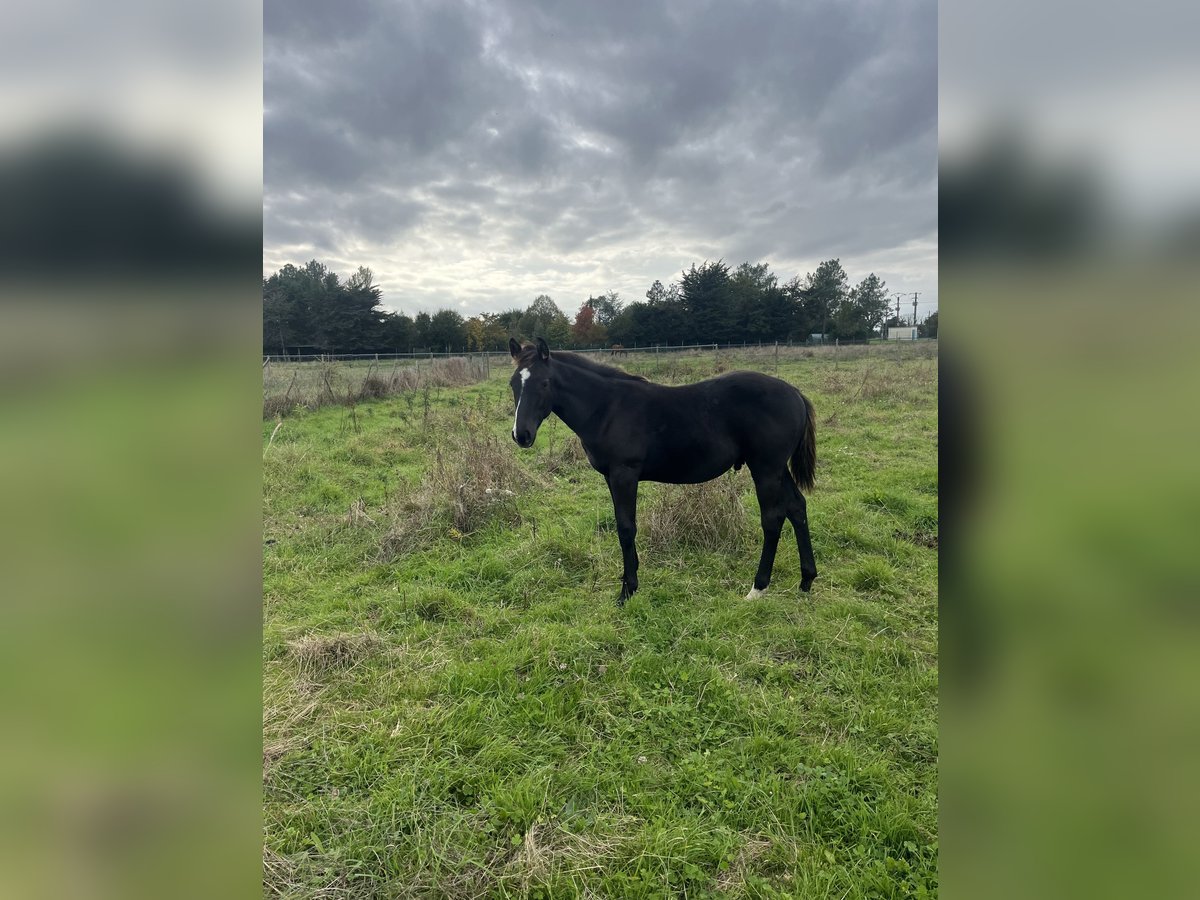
(617, 350)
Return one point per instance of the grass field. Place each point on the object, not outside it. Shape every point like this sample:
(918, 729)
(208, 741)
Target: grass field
(455, 707)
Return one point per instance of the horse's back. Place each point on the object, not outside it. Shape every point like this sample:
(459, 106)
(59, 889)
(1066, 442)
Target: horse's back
(703, 429)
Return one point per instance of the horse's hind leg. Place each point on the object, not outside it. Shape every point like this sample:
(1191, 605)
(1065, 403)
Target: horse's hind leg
(773, 508)
(797, 513)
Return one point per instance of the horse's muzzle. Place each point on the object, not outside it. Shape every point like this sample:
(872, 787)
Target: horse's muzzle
(524, 438)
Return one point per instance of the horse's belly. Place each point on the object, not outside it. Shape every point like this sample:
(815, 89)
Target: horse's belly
(690, 462)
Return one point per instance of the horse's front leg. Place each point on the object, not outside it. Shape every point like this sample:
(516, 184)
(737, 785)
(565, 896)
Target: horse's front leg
(623, 486)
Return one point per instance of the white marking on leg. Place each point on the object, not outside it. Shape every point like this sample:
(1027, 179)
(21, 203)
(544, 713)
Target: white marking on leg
(524, 378)
(755, 593)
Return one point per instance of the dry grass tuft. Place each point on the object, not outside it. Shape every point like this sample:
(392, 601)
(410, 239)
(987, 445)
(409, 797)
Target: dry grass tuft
(313, 385)
(880, 384)
(358, 514)
(318, 654)
(475, 480)
(734, 878)
(277, 406)
(375, 387)
(281, 733)
(453, 372)
(721, 362)
(279, 875)
(708, 516)
(881, 380)
(564, 454)
(547, 849)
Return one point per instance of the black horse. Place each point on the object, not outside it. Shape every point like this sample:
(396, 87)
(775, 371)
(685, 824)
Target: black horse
(634, 430)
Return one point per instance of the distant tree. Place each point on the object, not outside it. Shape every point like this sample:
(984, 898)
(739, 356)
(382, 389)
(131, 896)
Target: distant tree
(509, 320)
(608, 307)
(485, 332)
(421, 325)
(660, 295)
(871, 297)
(586, 331)
(446, 331)
(544, 319)
(929, 328)
(628, 328)
(276, 319)
(661, 319)
(795, 304)
(863, 311)
(708, 300)
(323, 314)
(398, 333)
(310, 308)
(361, 318)
(751, 285)
(824, 292)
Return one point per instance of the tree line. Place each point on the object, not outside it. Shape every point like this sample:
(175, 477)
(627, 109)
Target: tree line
(309, 309)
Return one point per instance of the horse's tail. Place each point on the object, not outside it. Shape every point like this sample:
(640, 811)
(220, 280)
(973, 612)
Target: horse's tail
(804, 457)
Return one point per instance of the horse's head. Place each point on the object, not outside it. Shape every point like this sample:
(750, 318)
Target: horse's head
(532, 390)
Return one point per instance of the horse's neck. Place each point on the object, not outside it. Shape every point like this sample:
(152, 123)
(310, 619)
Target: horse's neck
(582, 398)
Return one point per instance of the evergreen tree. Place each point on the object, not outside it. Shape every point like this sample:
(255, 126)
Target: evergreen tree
(708, 301)
(824, 292)
(421, 326)
(397, 333)
(750, 286)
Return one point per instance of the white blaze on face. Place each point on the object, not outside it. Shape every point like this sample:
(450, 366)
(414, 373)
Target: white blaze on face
(524, 378)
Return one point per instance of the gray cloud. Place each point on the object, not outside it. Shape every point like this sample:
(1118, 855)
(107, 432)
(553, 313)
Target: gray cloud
(485, 152)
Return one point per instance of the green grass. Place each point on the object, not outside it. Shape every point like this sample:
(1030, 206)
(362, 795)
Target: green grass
(455, 712)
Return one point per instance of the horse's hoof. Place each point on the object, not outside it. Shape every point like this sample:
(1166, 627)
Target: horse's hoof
(755, 593)
(806, 585)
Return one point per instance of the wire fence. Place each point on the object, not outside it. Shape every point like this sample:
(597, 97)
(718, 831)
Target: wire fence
(345, 379)
(615, 350)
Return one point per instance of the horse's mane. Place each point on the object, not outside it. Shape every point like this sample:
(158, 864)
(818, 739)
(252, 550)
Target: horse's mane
(579, 361)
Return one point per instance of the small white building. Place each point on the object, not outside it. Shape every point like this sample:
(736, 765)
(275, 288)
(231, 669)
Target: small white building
(902, 333)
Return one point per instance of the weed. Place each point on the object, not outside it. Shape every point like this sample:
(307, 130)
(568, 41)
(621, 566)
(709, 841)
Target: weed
(709, 516)
(331, 383)
(475, 480)
(317, 655)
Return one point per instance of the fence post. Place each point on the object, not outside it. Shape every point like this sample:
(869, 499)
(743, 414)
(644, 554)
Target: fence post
(777, 357)
(835, 353)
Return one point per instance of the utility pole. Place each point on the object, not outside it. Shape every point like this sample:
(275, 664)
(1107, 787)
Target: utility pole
(915, 293)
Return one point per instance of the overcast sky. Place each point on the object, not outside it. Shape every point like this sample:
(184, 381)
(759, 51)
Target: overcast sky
(477, 154)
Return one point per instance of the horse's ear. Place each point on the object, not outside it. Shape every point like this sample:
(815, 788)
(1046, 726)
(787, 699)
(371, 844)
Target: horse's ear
(514, 348)
(543, 350)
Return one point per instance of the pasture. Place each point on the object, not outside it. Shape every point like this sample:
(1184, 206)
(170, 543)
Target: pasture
(454, 706)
